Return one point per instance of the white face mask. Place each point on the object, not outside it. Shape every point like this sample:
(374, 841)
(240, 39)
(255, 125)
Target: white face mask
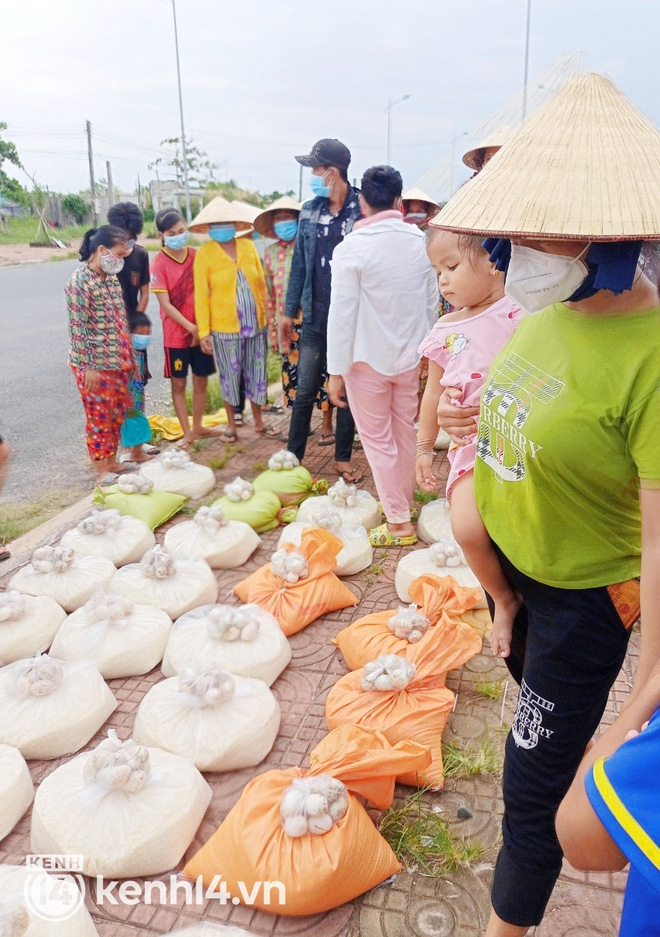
(536, 280)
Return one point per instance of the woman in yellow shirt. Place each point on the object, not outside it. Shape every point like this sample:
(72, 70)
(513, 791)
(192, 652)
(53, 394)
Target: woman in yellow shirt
(230, 309)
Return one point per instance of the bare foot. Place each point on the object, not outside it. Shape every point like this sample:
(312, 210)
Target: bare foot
(211, 431)
(505, 613)
(187, 441)
(350, 475)
(401, 530)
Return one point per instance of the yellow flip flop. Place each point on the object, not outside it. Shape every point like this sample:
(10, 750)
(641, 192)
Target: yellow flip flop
(381, 537)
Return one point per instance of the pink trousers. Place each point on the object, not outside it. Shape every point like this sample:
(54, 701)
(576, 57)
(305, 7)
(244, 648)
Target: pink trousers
(384, 408)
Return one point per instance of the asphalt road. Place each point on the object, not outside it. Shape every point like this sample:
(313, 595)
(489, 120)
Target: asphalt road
(41, 415)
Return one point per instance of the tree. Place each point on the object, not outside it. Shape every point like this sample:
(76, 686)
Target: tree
(273, 196)
(75, 206)
(200, 167)
(9, 187)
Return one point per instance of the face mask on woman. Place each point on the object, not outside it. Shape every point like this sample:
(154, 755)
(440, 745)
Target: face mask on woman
(141, 342)
(110, 263)
(319, 187)
(536, 280)
(222, 233)
(285, 230)
(176, 242)
(415, 217)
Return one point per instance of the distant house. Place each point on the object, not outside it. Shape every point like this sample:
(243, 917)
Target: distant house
(9, 209)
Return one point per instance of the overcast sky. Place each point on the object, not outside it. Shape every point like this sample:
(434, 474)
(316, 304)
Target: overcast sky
(262, 79)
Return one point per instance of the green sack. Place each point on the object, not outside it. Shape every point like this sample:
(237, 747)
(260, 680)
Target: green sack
(154, 508)
(260, 511)
(290, 485)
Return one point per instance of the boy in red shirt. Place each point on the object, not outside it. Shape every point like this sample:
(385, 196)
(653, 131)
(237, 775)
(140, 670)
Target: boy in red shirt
(172, 284)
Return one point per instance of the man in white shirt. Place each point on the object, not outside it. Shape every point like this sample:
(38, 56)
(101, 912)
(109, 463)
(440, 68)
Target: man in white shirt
(383, 302)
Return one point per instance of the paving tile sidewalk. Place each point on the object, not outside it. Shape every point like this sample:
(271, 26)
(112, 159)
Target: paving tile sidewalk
(414, 904)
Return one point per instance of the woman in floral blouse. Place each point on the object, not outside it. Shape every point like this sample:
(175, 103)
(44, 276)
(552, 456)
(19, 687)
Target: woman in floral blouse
(100, 355)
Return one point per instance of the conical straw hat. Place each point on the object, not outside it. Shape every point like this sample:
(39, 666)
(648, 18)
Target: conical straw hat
(219, 211)
(586, 165)
(474, 158)
(264, 222)
(249, 211)
(418, 195)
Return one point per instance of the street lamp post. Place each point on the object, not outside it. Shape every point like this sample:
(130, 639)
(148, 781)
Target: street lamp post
(183, 132)
(388, 111)
(453, 158)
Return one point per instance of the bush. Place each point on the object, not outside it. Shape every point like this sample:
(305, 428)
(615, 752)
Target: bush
(149, 214)
(76, 207)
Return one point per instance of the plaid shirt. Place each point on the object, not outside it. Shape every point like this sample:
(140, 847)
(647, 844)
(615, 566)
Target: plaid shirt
(277, 267)
(98, 330)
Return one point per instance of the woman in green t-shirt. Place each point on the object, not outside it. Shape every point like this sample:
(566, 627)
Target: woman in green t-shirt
(567, 476)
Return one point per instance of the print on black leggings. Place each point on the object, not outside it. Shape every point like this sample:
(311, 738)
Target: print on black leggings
(528, 723)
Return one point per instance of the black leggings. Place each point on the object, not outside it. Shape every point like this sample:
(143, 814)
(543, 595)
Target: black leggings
(567, 649)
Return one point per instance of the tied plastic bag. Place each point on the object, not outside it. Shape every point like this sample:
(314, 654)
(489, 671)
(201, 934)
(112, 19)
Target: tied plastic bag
(357, 552)
(312, 806)
(211, 536)
(218, 720)
(122, 638)
(247, 641)
(319, 870)
(408, 701)
(52, 707)
(59, 572)
(28, 624)
(296, 604)
(16, 790)
(434, 522)
(135, 496)
(355, 507)
(106, 533)
(259, 509)
(288, 480)
(444, 558)
(175, 586)
(124, 809)
(175, 471)
(439, 601)
(31, 903)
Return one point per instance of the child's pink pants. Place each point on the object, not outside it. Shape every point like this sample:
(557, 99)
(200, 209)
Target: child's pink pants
(384, 407)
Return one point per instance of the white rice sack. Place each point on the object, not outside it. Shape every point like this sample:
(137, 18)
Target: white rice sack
(357, 553)
(388, 672)
(173, 585)
(122, 539)
(16, 790)
(28, 624)
(123, 639)
(444, 558)
(311, 806)
(126, 810)
(245, 640)
(218, 720)
(31, 902)
(409, 624)
(175, 471)
(435, 521)
(67, 577)
(52, 707)
(211, 536)
(354, 507)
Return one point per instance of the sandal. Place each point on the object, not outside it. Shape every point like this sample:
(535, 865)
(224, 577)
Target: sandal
(270, 433)
(4, 554)
(151, 450)
(273, 408)
(350, 476)
(110, 479)
(382, 537)
(326, 439)
(357, 443)
(229, 436)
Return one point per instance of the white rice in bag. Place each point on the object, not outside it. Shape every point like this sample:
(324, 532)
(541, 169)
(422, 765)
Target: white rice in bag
(173, 585)
(175, 471)
(444, 558)
(67, 577)
(122, 539)
(16, 790)
(31, 904)
(28, 624)
(211, 536)
(355, 507)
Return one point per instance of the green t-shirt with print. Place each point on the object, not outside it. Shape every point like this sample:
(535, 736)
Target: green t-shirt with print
(569, 430)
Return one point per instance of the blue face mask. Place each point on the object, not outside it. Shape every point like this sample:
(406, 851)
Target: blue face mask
(319, 187)
(141, 342)
(285, 230)
(176, 242)
(222, 232)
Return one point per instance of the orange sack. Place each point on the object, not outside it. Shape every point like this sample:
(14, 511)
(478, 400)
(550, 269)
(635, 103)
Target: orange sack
(297, 604)
(317, 872)
(438, 598)
(418, 711)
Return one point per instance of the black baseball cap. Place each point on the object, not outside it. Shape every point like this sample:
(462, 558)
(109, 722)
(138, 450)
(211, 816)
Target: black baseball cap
(327, 153)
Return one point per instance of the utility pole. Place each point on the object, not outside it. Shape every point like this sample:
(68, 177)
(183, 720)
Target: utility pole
(300, 184)
(183, 132)
(92, 184)
(111, 185)
(526, 76)
(139, 191)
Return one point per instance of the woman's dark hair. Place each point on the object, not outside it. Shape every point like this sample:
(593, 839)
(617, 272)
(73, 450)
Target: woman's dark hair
(107, 236)
(381, 186)
(167, 218)
(128, 216)
(137, 320)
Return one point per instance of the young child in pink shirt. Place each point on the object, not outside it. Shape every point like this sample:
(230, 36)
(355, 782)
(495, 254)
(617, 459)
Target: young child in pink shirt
(461, 348)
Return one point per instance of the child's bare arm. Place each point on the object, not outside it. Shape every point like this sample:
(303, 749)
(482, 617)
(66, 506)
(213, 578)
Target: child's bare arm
(428, 429)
